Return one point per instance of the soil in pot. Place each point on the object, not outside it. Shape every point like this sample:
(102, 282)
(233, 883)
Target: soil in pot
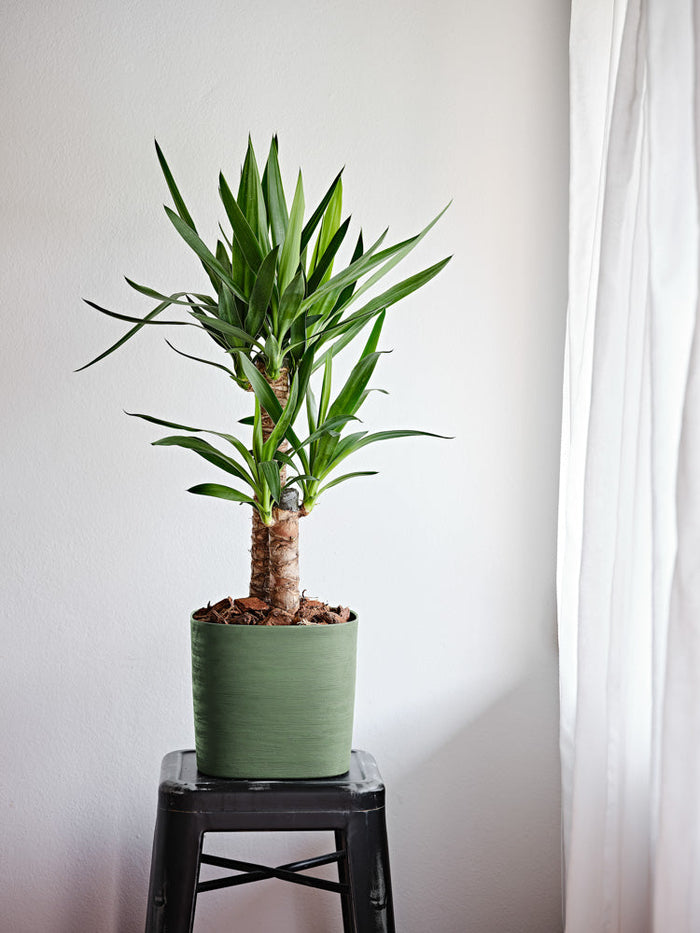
(250, 610)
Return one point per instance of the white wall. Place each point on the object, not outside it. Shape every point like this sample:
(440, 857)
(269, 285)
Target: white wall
(448, 554)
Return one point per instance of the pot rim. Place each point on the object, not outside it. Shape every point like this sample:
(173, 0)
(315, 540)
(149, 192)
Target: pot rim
(354, 618)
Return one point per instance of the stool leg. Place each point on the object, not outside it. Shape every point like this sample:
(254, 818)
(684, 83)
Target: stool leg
(177, 846)
(344, 878)
(370, 903)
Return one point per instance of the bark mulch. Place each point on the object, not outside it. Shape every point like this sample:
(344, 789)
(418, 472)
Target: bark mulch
(250, 610)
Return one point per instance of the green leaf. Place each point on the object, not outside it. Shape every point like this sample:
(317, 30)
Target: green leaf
(282, 457)
(257, 432)
(199, 359)
(341, 479)
(203, 251)
(261, 293)
(148, 319)
(301, 478)
(378, 305)
(221, 492)
(174, 192)
(271, 472)
(273, 191)
(251, 199)
(397, 292)
(347, 292)
(141, 322)
(404, 249)
(356, 442)
(329, 226)
(242, 231)
(209, 453)
(290, 302)
(228, 311)
(263, 393)
(325, 390)
(289, 259)
(347, 401)
(332, 427)
(297, 336)
(265, 397)
(283, 422)
(350, 274)
(203, 301)
(311, 410)
(234, 441)
(223, 256)
(323, 267)
(229, 329)
(313, 222)
(373, 340)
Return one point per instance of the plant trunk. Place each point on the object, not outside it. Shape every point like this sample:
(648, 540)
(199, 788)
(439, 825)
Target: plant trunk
(260, 538)
(260, 559)
(284, 553)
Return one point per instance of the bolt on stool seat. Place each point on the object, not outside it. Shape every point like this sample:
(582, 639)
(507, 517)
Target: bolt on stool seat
(191, 804)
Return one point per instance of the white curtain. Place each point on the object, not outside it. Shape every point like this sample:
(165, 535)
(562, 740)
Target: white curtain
(629, 535)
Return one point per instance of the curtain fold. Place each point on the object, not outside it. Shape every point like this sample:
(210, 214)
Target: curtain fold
(629, 520)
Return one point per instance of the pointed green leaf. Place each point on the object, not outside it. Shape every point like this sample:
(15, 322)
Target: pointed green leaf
(234, 441)
(242, 231)
(271, 472)
(148, 319)
(141, 322)
(257, 432)
(325, 390)
(323, 267)
(346, 293)
(203, 301)
(228, 309)
(266, 397)
(397, 292)
(174, 192)
(290, 302)
(274, 196)
(341, 479)
(329, 226)
(283, 422)
(203, 251)
(353, 443)
(347, 401)
(315, 218)
(209, 453)
(223, 256)
(223, 327)
(221, 492)
(350, 274)
(251, 199)
(198, 359)
(261, 293)
(289, 258)
(311, 410)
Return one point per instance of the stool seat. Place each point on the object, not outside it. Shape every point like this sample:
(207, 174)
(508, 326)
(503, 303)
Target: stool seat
(191, 804)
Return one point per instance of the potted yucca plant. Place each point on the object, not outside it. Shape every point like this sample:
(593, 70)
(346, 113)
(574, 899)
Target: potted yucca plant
(273, 672)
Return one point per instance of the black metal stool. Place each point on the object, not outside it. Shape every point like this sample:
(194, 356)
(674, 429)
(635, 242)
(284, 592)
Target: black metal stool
(191, 804)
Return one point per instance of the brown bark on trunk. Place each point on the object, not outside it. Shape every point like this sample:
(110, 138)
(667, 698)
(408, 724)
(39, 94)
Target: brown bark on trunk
(284, 554)
(260, 559)
(260, 541)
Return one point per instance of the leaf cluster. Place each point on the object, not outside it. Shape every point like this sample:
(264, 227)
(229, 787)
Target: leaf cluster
(277, 305)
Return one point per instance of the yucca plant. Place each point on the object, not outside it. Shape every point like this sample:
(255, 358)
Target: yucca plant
(278, 313)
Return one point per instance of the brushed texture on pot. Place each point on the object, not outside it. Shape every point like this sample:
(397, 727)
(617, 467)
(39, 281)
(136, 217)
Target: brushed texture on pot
(273, 701)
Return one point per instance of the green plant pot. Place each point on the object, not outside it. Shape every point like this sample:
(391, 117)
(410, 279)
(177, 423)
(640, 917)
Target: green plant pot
(273, 701)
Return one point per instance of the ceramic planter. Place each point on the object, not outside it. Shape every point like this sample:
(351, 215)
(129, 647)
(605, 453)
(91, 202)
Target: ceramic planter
(273, 701)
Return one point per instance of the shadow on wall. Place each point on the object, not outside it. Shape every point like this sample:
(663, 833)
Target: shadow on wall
(475, 829)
